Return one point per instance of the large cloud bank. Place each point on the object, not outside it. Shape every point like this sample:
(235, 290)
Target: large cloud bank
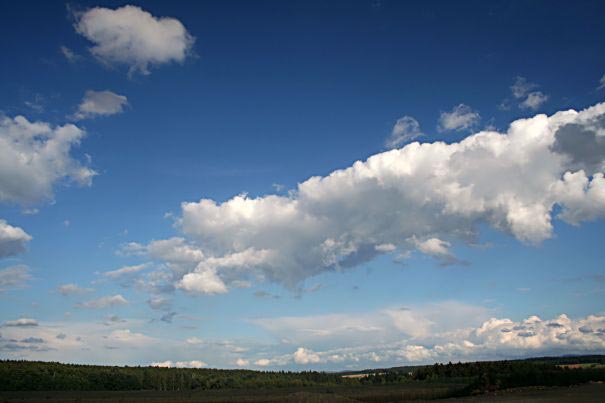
(132, 36)
(424, 197)
(492, 339)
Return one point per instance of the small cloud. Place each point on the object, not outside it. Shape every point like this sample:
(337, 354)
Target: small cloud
(385, 247)
(168, 317)
(461, 117)
(61, 336)
(313, 288)
(434, 247)
(66, 223)
(405, 129)
(12, 242)
(128, 337)
(521, 87)
(36, 104)
(115, 319)
(194, 341)
(278, 187)
(601, 83)
(70, 55)
(159, 302)
(100, 103)
(265, 294)
(126, 270)
(21, 322)
(439, 249)
(304, 356)
(14, 277)
(505, 105)
(240, 362)
(263, 362)
(205, 281)
(534, 100)
(104, 302)
(523, 91)
(73, 289)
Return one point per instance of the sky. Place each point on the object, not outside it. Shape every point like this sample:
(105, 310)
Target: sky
(301, 185)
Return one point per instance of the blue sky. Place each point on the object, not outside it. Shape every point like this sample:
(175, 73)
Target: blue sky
(156, 204)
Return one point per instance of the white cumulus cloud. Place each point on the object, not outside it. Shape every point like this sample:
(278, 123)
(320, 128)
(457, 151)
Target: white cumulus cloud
(34, 156)
(132, 36)
(305, 356)
(430, 197)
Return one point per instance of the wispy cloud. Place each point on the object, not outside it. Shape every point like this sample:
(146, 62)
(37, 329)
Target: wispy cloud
(405, 129)
(73, 289)
(104, 302)
(522, 91)
(14, 276)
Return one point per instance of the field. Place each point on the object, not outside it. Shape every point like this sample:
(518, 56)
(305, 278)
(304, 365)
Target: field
(592, 392)
(380, 393)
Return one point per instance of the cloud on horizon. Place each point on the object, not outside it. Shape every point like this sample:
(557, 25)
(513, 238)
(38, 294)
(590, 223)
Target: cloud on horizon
(491, 339)
(437, 332)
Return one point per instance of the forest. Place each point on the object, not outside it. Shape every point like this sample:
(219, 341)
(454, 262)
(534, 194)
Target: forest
(466, 378)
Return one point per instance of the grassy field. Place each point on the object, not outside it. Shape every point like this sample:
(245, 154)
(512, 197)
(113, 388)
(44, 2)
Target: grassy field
(592, 392)
(370, 393)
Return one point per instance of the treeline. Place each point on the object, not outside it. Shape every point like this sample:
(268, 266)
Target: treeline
(570, 360)
(489, 376)
(479, 377)
(33, 375)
